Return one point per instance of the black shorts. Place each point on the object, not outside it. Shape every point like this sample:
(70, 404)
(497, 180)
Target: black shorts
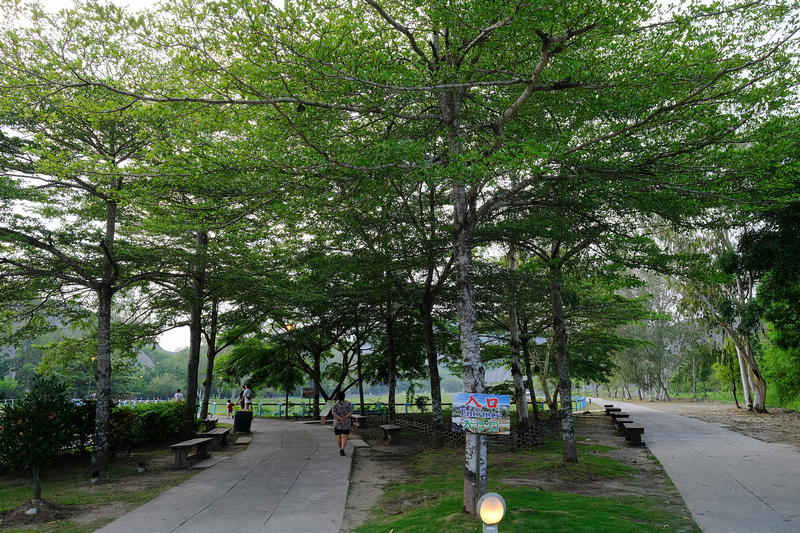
(341, 431)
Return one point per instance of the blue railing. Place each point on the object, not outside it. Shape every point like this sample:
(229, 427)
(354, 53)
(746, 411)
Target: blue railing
(578, 403)
(278, 409)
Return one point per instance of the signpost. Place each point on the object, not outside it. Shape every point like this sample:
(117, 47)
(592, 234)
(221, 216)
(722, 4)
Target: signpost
(486, 414)
(478, 415)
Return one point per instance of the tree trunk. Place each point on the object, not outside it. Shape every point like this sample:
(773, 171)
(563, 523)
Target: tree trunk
(392, 358)
(528, 356)
(542, 369)
(733, 382)
(435, 378)
(759, 384)
(755, 400)
(192, 369)
(360, 372)
(475, 479)
(105, 293)
(472, 367)
(286, 405)
(516, 364)
(570, 448)
(102, 431)
(665, 393)
(195, 336)
(317, 382)
(211, 354)
(37, 483)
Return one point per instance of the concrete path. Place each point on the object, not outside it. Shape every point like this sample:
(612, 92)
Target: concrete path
(290, 478)
(730, 483)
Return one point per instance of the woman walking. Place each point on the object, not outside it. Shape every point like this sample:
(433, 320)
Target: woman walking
(342, 411)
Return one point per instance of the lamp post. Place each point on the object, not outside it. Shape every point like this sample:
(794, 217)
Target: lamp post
(491, 509)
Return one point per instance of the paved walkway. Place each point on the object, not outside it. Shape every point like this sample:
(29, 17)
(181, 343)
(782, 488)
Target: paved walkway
(730, 483)
(290, 478)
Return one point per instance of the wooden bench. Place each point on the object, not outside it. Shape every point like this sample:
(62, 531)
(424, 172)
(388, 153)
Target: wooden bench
(182, 450)
(391, 432)
(615, 417)
(360, 420)
(210, 423)
(610, 410)
(220, 436)
(622, 422)
(633, 434)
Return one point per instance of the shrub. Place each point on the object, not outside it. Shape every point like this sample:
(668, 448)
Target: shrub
(411, 393)
(505, 388)
(37, 428)
(422, 403)
(122, 426)
(156, 421)
(84, 415)
(9, 388)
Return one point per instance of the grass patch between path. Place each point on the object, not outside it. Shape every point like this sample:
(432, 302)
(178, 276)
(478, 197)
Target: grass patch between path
(542, 493)
(68, 487)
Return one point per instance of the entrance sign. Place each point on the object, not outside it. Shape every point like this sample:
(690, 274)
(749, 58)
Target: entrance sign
(489, 414)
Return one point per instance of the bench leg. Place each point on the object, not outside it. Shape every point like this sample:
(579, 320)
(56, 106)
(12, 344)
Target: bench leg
(219, 441)
(393, 436)
(202, 451)
(635, 439)
(181, 458)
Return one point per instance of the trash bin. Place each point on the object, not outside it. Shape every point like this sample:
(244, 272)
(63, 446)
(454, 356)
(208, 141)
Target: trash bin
(242, 421)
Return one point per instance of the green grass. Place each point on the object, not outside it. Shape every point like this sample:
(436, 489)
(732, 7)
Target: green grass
(710, 395)
(68, 484)
(432, 501)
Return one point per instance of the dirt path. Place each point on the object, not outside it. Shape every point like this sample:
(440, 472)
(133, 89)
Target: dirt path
(373, 468)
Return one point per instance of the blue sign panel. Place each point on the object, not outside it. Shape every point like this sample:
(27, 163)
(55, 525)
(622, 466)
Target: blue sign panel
(481, 413)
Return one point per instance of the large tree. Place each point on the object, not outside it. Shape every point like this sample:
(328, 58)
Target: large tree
(69, 227)
(724, 289)
(489, 98)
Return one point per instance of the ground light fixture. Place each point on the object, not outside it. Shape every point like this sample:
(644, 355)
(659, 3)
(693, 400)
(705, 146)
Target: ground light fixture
(491, 509)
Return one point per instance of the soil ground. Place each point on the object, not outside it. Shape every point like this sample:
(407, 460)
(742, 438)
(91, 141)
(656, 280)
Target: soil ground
(380, 464)
(116, 488)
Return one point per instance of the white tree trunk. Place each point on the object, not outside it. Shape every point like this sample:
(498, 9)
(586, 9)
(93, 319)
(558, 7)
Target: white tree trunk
(102, 428)
(105, 294)
(472, 367)
(743, 370)
(569, 445)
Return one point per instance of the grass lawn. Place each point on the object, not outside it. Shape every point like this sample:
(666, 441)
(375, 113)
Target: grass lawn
(598, 494)
(73, 504)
